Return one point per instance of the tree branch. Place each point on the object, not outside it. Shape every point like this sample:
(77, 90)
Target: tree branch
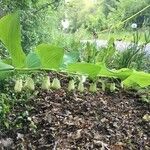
(49, 4)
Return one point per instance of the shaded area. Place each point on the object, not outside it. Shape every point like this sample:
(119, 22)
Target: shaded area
(64, 120)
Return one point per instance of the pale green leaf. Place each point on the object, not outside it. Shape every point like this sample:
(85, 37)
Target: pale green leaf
(122, 73)
(70, 57)
(5, 70)
(51, 56)
(33, 60)
(105, 72)
(140, 78)
(89, 69)
(5, 67)
(10, 35)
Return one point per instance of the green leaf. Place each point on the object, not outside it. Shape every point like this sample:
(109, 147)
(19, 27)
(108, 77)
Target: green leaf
(70, 57)
(5, 70)
(140, 78)
(51, 56)
(10, 35)
(33, 60)
(122, 73)
(105, 72)
(89, 69)
(7, 61)
(5, 67)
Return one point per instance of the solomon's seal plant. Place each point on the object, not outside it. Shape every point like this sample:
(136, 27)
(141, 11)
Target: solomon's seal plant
(51, 57)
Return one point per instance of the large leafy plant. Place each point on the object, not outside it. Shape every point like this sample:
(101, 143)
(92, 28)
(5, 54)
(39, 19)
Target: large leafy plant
(10, 35)
(51, 57)
(46, 56)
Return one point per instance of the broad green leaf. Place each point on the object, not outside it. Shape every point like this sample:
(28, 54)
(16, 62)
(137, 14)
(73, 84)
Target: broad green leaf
(10, 35)
(33, 60)
(7, 61)
(105, 72)
(5, 67)
(5, 70)
(51, 56)
(89, 69)
(122, 73)
(140, 78)
(70, 57)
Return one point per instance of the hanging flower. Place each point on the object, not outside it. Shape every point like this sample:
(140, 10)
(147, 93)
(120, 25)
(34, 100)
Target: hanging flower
(29, 84)
(80, 87)
(56, 84)
(93, 87)
(46, 83)
(18, 86)
(112, 87)
(71, 85)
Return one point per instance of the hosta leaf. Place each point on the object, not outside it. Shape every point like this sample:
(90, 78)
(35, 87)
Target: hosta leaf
(33, 60)
(70, 57)
(140, 78)
(51, 56)
(10, 35)
(5, 70)
(7, 61)
(105, 72)
(84, 69)
(5, 67)
(123, 73)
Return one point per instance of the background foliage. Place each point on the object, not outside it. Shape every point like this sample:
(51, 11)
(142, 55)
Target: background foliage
(38, 18)
(41, 22)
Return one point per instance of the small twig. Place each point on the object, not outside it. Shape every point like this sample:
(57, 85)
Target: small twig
(104, 145)
(54, 148)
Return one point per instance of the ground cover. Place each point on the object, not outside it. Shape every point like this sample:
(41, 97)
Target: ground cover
(59, 119)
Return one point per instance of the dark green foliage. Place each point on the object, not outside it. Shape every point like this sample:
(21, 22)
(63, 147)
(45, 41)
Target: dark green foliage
(51, 57)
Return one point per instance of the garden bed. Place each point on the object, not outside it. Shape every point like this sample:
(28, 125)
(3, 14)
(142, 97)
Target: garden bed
(62, 120)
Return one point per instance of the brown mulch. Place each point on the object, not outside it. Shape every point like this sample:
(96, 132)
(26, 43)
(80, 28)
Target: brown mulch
(65, 120)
